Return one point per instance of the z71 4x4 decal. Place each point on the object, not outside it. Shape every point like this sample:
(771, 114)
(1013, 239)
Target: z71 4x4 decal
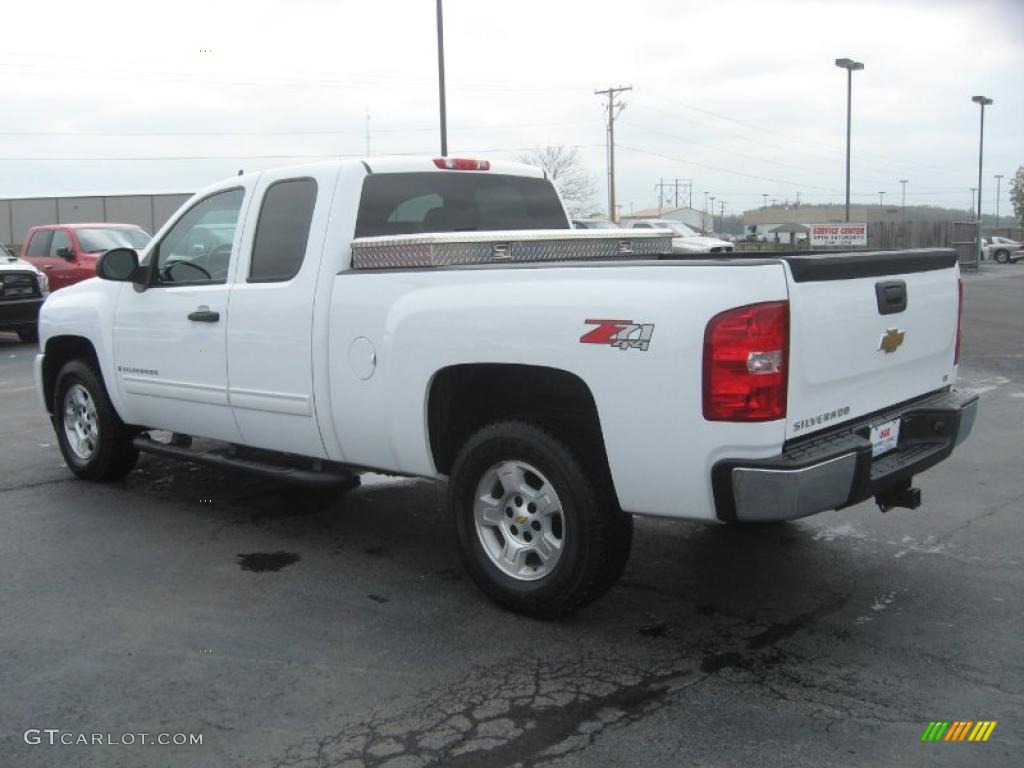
(624, 334)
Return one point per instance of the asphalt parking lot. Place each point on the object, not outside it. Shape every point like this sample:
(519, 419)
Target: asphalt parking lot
(294, 630)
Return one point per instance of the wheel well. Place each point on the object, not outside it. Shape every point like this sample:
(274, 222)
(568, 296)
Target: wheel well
(464, 398)
(59, 350)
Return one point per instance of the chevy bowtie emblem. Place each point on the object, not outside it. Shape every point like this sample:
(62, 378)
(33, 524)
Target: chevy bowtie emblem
(891, 340)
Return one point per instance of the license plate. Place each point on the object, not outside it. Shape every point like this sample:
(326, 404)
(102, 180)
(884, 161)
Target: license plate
(884, 437)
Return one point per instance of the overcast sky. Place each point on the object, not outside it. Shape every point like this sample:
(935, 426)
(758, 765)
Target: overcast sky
(742, 97)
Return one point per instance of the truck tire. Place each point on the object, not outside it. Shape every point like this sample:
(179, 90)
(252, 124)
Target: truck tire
(1001, 256)
(537, 532)
(28, 333)
(94, 441)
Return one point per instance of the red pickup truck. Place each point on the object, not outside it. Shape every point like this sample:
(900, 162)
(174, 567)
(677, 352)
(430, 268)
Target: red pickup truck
(67, 253)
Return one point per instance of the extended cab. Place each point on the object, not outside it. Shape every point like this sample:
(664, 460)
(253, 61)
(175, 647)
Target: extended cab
(67, 253)
(439, 318)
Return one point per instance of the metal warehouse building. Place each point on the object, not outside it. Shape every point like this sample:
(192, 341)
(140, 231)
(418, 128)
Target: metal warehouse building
(147, 210)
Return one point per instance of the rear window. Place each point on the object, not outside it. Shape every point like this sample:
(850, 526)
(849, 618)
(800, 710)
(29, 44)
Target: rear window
(93, 240)
(412, 203)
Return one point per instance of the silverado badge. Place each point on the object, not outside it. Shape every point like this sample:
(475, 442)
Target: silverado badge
(891, 340)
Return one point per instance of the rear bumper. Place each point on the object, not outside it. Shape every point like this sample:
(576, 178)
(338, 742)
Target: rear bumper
(15, 313)
(836, 469)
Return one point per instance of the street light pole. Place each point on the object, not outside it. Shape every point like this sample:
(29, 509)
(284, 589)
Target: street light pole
(440, 80)
(999, 181)
(850, 66)
(712, 213)
(973, 190)
(881, 195)
(981, 101)
(765, 202)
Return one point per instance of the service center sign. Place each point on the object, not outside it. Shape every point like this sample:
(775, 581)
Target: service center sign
(839, 234)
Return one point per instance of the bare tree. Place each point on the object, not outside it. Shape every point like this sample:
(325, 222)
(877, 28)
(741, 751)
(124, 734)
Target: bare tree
(564, 167)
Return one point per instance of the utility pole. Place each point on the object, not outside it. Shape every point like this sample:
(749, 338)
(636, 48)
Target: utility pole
(973, 190)
(712, 213)
(440, 80)
(999, 180)
(721, 209)
(614, 107)
(798, 198)
(764, 204)
(367, 131)
(881, 196)
(689, 184)
(704, 216)
(903, 212)
(660, 186)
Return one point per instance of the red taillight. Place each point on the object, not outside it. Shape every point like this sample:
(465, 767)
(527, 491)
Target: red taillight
(959, 319)
(461, 164)
(746, 361)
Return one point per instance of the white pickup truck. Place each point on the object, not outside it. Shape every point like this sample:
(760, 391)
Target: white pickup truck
(439, 318)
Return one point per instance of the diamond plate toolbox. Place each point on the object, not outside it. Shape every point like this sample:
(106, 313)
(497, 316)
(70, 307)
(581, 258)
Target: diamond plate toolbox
(512, 247)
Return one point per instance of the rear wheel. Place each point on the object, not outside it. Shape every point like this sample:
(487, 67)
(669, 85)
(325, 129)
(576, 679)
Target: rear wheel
(94, 441)
(28, 333)
(538, 526)
(1001, 256)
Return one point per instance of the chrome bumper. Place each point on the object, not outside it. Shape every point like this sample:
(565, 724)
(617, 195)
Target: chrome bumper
(836, 469)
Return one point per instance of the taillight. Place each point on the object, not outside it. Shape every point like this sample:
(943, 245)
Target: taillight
(461, 164)
(746, 361)
(959, 319)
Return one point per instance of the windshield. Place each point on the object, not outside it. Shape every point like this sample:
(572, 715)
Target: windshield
(92, 240)
(681, 230)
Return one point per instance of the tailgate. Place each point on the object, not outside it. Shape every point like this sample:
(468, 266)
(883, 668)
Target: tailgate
(868, 331)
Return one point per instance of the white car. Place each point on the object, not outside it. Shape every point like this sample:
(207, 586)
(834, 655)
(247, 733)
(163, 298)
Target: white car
(684, 239)
(23, 289)
(440, 318)
(1002, 249)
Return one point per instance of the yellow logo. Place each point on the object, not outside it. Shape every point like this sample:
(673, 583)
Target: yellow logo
(891, 340)
(521, 520)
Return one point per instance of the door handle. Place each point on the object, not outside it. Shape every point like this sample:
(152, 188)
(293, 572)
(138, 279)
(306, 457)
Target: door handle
(204, 315)
(47, 266)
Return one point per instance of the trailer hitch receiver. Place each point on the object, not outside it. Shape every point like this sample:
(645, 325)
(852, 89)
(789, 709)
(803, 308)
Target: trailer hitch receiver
(899, 495)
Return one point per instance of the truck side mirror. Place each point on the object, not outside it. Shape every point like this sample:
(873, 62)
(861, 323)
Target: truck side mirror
(65, 253)
(119, 264)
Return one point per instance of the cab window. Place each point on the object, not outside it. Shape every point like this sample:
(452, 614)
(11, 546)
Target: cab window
(39, 244)
(60, 240)
(197, 249)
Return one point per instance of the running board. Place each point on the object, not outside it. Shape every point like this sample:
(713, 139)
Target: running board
(326, 478)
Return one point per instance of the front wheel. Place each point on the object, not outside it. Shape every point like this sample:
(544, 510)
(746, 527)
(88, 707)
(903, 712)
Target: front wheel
(539, 528)
(94, 441)
(1002, 256)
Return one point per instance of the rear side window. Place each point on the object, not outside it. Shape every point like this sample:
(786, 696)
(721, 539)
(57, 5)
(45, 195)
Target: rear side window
(452, 201)
(282, 230)
(39, 245)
